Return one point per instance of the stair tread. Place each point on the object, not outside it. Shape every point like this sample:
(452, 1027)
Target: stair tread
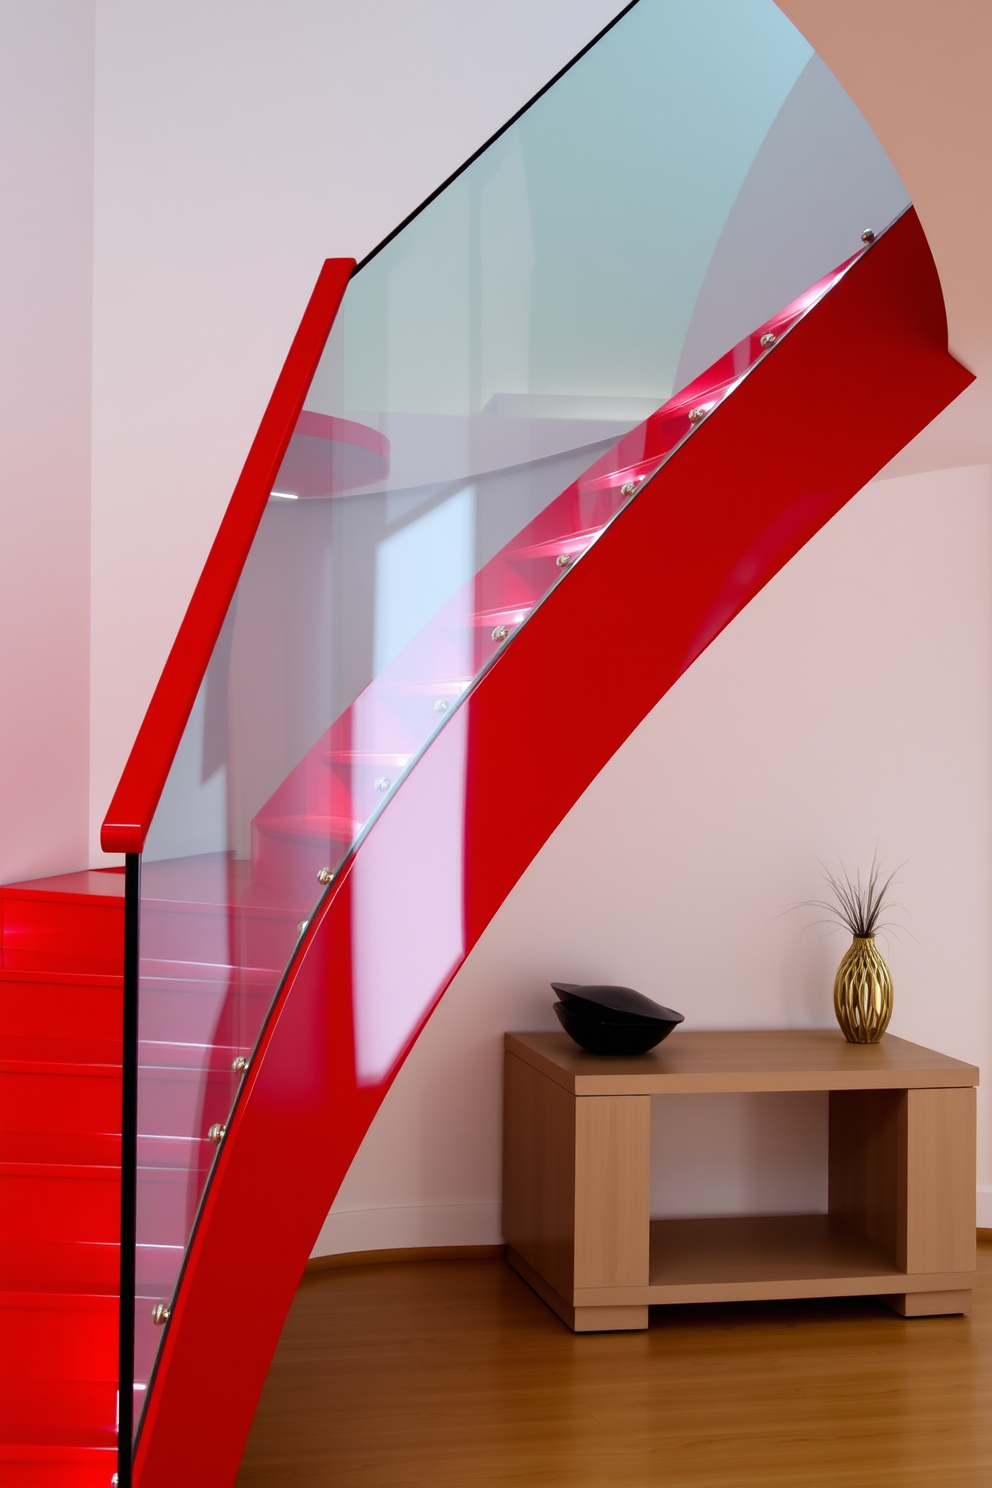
(77, 1068)
(211, 881)
(86, 886)
(29, 1049)
(61, 978)
(90, 1172)
(398, 759)
(51, 1452)
(43, 1301)
(208, 882)
(60, 1148)
(308, 824)
(510, 615)
(570, 542)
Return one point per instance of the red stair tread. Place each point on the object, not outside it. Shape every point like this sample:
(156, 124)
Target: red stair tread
(29, 1466)
(316, 828)
(358, 757)
(212, 880)
(54, 1006)
(573, 543)
(39, 1048)
(508, 615)
(87, 884)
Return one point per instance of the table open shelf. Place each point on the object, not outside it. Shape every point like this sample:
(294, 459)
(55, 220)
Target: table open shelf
(901, 1220)
(779, 1255)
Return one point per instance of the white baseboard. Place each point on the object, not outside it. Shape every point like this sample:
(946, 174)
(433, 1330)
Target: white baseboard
(409, 1227)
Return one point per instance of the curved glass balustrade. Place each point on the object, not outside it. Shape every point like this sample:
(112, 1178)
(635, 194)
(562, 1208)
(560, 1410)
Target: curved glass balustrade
(504, 375)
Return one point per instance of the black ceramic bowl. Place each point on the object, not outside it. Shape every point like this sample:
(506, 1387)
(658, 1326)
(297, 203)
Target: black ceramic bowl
(598, 1036)
(615, 1005)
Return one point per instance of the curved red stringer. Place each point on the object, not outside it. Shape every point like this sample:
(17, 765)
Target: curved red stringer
(865, 370)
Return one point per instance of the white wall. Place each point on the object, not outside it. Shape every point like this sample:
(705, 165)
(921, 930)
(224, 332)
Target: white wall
(46, 236)
(847, 706)
(919, 74)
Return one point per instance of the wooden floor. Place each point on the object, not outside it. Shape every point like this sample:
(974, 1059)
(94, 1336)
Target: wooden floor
(454, 1373)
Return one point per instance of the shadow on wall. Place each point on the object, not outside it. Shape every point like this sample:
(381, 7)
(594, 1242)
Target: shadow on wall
(670, 873)
(818, 180)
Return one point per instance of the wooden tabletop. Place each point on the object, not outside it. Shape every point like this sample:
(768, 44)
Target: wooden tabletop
(715, 1062)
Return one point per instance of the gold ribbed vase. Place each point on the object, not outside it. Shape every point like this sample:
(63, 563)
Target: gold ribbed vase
(863, 992)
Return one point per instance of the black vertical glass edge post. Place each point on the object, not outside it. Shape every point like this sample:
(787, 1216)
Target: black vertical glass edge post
(129, 1165)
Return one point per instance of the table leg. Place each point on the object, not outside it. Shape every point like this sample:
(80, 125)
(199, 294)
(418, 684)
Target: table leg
(929, 1304)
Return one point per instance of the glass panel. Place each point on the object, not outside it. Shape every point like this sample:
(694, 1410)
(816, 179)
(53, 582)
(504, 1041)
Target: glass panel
(504, 376)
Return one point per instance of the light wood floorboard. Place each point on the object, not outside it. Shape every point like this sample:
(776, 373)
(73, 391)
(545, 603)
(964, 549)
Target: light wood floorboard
(446, 1373)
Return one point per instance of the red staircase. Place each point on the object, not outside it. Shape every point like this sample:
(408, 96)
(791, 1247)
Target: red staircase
(61, 943)
(758, 471)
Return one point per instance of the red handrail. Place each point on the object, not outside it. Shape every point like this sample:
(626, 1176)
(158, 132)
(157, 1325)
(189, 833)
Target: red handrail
(130, 813)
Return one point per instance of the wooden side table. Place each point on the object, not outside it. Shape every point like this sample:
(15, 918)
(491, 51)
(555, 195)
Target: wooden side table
(576, 1177)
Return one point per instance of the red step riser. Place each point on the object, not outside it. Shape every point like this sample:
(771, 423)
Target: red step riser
(213, 935)
(47, 934)
(146, 1341)
(156, 1271)
(58, 1468)
(402, 724)
(215, 938)
(194, 1013)
(38, 1049)
(57, 1338)
(23, 1039)
(48, 961)
(345, 790)
(292, 862)
(180, 1103)
(212, 1061)
(58, 1412)
(74, 1204)
(36, 1006)
(65, 1148)
(51, 1099)
(166, 1207)
(78, 1267)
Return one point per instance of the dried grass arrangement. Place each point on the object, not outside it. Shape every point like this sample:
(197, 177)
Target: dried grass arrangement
(863, 984)
(857, 906)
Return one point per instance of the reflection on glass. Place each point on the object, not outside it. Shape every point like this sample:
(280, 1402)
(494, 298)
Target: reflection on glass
(503, 377)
